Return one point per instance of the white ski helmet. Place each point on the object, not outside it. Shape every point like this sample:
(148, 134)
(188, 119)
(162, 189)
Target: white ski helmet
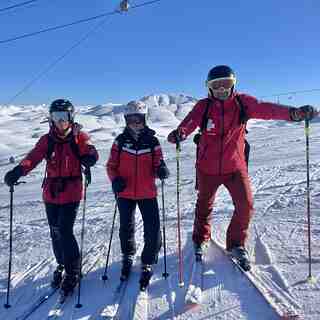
(135, 107)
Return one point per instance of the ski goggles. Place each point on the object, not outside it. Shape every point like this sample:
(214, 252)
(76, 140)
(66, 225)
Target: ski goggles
(58, 116)
(135, 119)
(226, 83)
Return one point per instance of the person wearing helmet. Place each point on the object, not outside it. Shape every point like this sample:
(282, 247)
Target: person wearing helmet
(221, 158)
(66, 149)
(135, 161)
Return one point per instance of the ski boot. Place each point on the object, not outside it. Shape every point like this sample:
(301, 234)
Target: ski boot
(146, 274)
(126, 268)
(200, 249)
(68, 284)
(242, 257)
(57, 276)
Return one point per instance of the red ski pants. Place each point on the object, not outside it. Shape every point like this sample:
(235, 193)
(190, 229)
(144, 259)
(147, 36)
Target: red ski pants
(238, 185)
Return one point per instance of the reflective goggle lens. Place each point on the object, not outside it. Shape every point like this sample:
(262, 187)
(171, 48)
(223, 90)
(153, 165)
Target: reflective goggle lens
(60, 116)
(221, 83)
(134, 119)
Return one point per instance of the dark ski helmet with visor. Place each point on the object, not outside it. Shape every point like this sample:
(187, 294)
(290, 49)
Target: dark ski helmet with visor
(221, 81)
(61, 110)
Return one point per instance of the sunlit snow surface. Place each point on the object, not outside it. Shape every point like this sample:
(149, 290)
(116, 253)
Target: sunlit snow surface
(277, 242)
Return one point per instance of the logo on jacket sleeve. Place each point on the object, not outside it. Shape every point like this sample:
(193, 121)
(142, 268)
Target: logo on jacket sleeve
(210, 125)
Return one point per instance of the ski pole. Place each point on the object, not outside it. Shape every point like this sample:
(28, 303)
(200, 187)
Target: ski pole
(105, 274)
(181, 283)
(165, 274)
(307, 130)
(87, 181)
(7, 304)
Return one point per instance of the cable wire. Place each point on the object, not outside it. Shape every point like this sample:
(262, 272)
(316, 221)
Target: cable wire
(67, 52)
(117, 11)
(55, 62)
(17, 5)
(291, 92)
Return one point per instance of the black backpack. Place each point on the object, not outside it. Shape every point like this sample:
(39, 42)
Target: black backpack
(243, 118)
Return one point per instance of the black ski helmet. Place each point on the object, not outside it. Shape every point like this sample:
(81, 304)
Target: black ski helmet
(219, 72)
(62, 105)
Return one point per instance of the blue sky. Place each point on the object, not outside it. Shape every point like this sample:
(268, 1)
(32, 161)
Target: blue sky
(167, 47)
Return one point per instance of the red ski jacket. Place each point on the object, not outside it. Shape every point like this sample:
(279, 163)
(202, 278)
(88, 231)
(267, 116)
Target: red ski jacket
(136, 162)
(221, 146)
(63, 179)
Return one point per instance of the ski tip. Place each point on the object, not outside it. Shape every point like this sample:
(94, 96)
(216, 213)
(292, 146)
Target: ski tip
(312, 280)
(181, 284)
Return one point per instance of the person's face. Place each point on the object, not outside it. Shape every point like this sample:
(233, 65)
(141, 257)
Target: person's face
(62, 125)
(221, 88)
(61, 120)
(135, 122)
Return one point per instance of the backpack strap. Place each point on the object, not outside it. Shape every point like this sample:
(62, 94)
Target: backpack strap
(120, 140)
(243, 114)
(50, 148)
(204, 121)
(73, 145)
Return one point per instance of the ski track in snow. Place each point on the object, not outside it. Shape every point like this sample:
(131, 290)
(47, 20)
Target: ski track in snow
(277, 241)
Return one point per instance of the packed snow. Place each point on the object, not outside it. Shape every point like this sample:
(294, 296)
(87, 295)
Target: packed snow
(278, 236)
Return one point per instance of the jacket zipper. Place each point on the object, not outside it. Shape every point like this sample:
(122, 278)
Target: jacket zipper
(222, 135)
(136, 174)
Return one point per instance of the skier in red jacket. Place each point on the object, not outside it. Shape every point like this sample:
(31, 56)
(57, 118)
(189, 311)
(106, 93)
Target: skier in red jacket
(134, 163)
(65, 148)
(221, 157)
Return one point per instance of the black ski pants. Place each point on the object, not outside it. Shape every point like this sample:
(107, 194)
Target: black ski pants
(151, 227)
(61, 219)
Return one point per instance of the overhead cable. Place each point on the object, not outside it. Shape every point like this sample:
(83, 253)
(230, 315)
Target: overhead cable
(26, 35)
(60, 58)
(17, 5)
(51, 65)
(290, 93)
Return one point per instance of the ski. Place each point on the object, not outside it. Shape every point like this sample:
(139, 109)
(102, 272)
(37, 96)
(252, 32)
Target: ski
(141, 305)
(194, 291)
(283, 305)
(43, 298)
(170, 295)
(57, 310)
(110, 311)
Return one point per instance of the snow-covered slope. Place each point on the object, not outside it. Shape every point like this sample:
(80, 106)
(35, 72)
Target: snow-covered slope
(277, 243)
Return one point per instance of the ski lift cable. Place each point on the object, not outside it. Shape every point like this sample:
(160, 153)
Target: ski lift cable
(21, 4)
(50, 66)
(290, 93)
(117, 11)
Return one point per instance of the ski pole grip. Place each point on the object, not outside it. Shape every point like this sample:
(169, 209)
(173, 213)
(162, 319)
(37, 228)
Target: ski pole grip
(307, 126)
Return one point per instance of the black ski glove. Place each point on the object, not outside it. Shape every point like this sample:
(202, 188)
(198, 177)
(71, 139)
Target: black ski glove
(87, 173)
(162, 171)
(88, 160)
(176, 136)
(118, 184)
(13, 175)
(302, 113)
